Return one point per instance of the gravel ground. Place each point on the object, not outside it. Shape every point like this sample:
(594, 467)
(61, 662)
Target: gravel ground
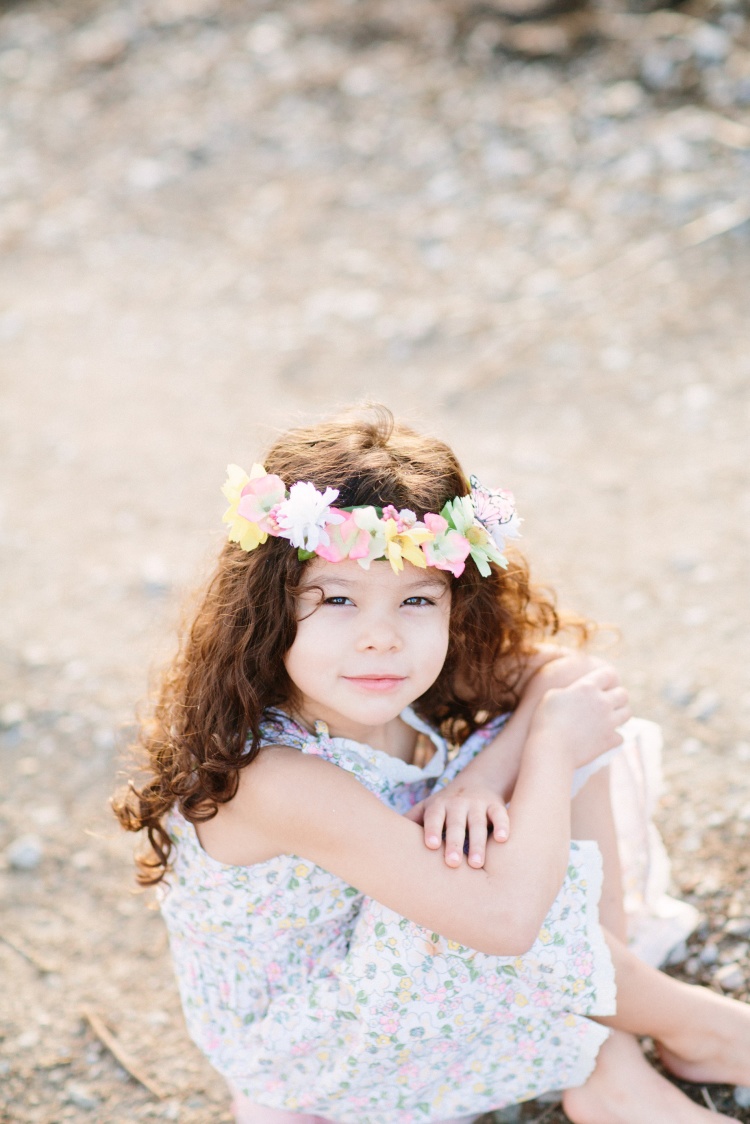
(216, 216)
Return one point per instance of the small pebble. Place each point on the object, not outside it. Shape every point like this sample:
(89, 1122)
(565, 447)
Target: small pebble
(691, 746)
(742, 1096)
(709, 954)
(678, 692)
(730, 977)
(678, 954)
(704, 705)
(738, 927)
(25, 852)
(710, 43)
(81, 1096)
(12, 714)
(735, 954)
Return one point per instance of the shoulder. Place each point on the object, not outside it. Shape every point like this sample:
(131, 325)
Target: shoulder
(287, 801)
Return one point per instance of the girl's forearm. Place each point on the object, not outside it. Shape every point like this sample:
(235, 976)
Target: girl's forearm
(530, 867)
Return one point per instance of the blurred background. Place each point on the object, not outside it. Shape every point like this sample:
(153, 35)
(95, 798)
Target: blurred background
(524, 226)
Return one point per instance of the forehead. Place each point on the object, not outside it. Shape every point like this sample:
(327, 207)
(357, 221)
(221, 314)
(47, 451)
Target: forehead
(381, 576)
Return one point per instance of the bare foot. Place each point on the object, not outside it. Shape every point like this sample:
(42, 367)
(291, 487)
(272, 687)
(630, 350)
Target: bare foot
(624, 1088)
(714, 1046)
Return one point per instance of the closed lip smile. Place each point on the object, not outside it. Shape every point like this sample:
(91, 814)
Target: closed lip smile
(375, 682)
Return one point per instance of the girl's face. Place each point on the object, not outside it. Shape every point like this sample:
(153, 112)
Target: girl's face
(372, 644)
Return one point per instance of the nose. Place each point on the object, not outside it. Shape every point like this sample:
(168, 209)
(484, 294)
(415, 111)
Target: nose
(379, 633)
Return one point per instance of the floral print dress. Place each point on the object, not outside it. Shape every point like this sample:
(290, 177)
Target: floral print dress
(309, 997)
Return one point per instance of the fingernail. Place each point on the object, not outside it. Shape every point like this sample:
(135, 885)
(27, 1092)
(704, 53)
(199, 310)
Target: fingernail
(433, 839)
(452, 857)
(502, 834)
(476, 859)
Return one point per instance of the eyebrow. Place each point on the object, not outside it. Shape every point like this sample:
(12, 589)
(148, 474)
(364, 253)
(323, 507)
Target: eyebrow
(420, 582)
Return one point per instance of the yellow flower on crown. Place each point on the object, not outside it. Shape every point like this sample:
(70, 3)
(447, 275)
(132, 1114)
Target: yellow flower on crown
(403, 538)
(241, 530)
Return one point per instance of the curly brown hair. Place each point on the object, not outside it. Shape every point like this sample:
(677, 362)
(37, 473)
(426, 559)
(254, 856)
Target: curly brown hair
(229, 669)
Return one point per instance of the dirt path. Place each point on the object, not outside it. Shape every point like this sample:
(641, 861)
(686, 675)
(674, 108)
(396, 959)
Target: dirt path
(215, 216)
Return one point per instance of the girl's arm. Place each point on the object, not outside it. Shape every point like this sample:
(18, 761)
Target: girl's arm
(290, 803)
(477, 796)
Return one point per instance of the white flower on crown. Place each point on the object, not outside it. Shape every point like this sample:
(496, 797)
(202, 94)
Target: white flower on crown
(496, 510)
(302, 517)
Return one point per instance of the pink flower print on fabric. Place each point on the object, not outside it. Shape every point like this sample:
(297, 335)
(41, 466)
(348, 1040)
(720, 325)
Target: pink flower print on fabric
(448, 550)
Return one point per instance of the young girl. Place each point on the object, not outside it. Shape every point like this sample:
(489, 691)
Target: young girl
(365, 685)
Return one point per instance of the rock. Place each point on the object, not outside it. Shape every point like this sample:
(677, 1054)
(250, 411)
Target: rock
(622, 99)
(548, 38)
(12, 714)
(735, 954)
(730, 977)
(738, 927)
(81, 1096)
(691, 746)
(709, 954)
(25, 852)
(533, 9)
(678, 692)
(711, 44)
(678, 954)
(742, 1096)
(704, 705)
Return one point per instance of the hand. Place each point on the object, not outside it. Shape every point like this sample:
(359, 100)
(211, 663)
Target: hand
(461, 809)
(583, 717)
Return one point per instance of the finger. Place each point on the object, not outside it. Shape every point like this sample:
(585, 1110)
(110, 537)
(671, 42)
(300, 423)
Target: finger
(477, 838)
(603, 677)
(455, 835)
(498, 816)
(620, 716)
(434, 819)
(416, 813)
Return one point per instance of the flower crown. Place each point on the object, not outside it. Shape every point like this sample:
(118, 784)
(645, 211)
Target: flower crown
(477, 524)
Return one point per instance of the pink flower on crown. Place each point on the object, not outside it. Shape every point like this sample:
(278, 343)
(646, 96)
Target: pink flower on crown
(448, 550)
(258, 498)
(403, 519)
(346, 539)
(302, 518)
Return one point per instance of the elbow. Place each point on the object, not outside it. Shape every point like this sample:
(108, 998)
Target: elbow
(510, 937)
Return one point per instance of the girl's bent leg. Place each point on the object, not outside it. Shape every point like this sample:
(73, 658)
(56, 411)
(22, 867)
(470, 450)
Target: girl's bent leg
(592, 818)
(624, 1088)
(702, 1036)
(248, 1112)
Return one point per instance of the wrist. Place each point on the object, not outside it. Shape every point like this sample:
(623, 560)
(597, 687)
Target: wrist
(550, 748)
(482, 771)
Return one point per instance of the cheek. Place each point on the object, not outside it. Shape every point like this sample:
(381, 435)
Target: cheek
(301, 656)
(436, 644)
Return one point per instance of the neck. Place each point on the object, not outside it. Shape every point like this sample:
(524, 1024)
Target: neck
(395, 737)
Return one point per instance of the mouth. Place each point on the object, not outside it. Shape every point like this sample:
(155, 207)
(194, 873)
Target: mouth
(376, 682)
